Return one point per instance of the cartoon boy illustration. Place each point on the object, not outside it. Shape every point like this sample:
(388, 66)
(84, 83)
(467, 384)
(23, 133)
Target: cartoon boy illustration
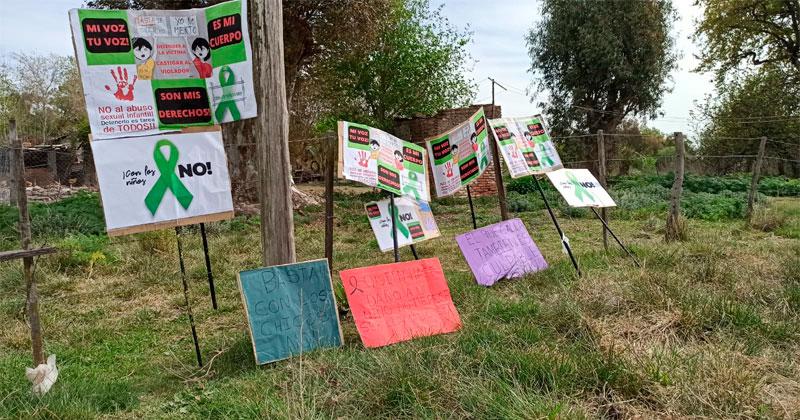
(454, 153)
(143, 51)
(398, 160)
(375, 147)
(202, 53)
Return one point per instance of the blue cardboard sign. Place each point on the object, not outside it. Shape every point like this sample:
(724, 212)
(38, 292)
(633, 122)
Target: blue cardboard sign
(290, 309)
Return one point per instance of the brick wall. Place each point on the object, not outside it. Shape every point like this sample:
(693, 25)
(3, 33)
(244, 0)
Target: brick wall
(419, 128)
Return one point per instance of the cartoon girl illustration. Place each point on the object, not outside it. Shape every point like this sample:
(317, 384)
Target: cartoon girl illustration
(202, 53)
(143, 51)
(473, 140)
(398, 160)
(528, 139)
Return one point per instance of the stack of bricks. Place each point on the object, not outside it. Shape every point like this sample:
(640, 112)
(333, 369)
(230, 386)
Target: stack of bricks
(417, 129)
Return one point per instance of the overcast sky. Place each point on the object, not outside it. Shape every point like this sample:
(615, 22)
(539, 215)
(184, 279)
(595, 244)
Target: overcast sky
(42, 26)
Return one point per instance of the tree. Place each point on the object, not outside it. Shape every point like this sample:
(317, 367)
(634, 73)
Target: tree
(602, 61)
(764, 103)
(748, 32)
(416, 66)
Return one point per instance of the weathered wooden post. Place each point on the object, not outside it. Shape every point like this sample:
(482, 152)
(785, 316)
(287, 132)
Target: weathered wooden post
(32, 301)
(601, 175)
(751, 197)
(498, 170)
(675, 230)
(272, 133)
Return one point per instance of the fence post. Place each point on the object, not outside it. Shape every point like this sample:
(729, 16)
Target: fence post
(32, 300)
(601, 173)
(675, 229)
(330, 162)
(751, 198)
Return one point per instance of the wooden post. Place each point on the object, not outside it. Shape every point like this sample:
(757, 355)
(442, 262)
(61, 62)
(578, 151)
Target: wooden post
(52, 165)
(330, 163)
(32, 301)
(272, 133)
(751, 198)
(601, 174)
(498, 170)
(675, 228)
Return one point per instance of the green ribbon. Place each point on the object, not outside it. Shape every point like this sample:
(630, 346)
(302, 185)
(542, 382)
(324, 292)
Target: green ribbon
(168, 179)
(227, 80)
(400, 226)
(545, 160)
(411, 188)
(580, 190)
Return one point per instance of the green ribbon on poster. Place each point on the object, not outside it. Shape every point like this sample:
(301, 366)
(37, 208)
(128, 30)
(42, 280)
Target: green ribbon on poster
(400, 226)
(168, 180)
(227, 80)
(580, 190)
(545, 160)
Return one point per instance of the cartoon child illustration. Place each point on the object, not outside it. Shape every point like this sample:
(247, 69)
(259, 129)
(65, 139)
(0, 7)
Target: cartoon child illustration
(473, 140)
(375, 147)
(454, 153)
(202, 53)
(528, 139)
(143, 51)
(398, 160)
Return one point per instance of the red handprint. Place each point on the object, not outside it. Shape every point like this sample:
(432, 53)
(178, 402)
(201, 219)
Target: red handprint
(363, 159)
(514, 152)
(448, 167)
(121, 80)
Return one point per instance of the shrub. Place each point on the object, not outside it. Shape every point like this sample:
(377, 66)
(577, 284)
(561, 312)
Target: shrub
(84, 252)
(766, 219)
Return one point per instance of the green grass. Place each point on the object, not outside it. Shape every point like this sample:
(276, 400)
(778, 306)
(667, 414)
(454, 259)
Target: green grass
(708, 327)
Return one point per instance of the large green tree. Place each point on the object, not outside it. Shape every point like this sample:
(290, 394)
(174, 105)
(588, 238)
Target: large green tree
(737, 34)
(600, 61)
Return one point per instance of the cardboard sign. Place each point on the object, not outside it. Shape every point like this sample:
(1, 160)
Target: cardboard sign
(290, 309)
(525, 145)
(580, 188)
(413, 220)
(503, 250)
(398, 302)
(154, 182)
(379, 159)
(151, 71)
(460, 155)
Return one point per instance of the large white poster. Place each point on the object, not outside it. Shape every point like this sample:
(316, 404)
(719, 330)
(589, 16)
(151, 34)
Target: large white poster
(580, 188)
(525, 145)
(379, 159)
(151, 71)
(460, 155)
(413, 220)
(152, 182)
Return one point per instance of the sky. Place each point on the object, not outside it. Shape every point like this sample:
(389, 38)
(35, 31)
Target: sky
(501, 54)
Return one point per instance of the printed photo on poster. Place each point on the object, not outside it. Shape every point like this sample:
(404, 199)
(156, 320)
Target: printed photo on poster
(460, 155)
(154, 182)
(378, 159)
(152, 71)
(525, 145)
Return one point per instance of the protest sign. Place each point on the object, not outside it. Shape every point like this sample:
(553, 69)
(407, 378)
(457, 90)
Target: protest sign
(580, 188)
(154, 182)
(503, 250)
(398, 302)
(379, 159)
(460, 155)
(413, 221)
(290, 309)
(151, 71)
(525, 145)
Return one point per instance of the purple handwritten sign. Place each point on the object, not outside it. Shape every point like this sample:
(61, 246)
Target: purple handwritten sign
(500, 251)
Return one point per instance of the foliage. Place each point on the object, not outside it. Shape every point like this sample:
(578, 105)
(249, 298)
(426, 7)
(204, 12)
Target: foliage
(601, 61)
(416, 66)
(81, 251)
(748, 32)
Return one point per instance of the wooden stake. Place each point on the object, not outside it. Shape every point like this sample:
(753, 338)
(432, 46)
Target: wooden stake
(674, 230)
(751, 197)
(272, 133)
(330, 163)
(32, 300)
(602, 172)
(498, 170)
